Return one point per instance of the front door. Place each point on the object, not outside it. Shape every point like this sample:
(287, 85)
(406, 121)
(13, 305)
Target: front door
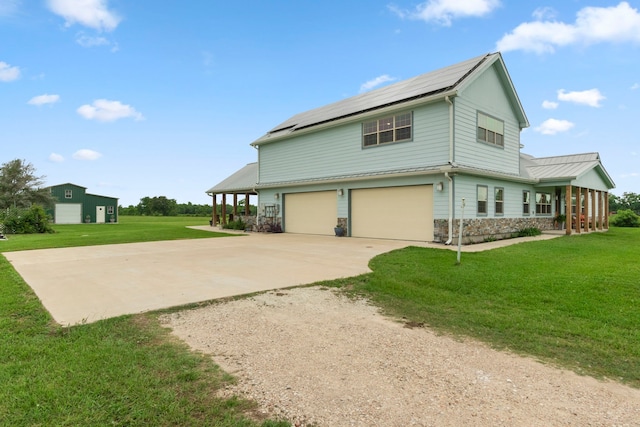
(100, 211)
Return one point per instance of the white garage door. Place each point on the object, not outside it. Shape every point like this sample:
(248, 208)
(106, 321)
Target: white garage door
(68, 213)
(403, 213)
(310, 213)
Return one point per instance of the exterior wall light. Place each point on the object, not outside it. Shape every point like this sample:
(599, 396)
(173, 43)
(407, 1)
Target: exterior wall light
(439, 186)
(340, 192)
(276, 196)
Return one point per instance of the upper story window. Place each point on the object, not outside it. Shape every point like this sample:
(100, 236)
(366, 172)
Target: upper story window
(387, 129)
(490, 130)
(483, 199)
(68, 194)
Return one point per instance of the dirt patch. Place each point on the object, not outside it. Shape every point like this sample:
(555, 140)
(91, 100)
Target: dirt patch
(315, 357)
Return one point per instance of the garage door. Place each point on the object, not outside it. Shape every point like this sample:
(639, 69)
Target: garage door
(68, 213)
(310, 213)
(403, 213)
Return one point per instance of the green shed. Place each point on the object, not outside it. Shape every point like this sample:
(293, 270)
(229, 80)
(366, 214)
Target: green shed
(74, 206)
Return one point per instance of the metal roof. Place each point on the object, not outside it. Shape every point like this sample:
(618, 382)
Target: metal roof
(242, 181)
(562, 167)
(438, 81)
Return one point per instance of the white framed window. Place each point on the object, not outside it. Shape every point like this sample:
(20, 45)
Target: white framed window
(526, 202)
(483, 198)
(490, 130)
(499, 200)
(110, 210)
(392, 128)
(543, 203)
(68, 194)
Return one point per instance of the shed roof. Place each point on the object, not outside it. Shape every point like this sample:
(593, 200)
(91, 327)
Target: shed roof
(436, 83)
(242, 181)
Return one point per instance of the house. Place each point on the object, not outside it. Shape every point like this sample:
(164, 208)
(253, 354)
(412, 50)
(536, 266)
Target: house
(399, 161)
(75, 206)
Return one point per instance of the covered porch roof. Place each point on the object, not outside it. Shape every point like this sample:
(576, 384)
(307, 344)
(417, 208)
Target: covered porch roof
(241, 182)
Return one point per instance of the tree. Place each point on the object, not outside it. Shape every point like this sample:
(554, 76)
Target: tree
(628, 201)
(20, 187)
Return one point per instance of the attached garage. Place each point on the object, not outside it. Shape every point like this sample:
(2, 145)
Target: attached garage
(403, 213)
(68, 213)
(310, 213)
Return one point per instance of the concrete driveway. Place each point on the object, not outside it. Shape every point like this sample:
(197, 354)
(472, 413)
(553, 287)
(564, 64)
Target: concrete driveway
(87, 284)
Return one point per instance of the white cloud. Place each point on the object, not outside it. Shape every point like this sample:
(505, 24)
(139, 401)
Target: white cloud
(635, 86)
(593, 25)
(549, 105)
(8, 73)
(86, 154)
(44, 99)
(104, 110)
(553, 126)
(444, 12)
(90, 41)
(56, 158)
(376, 82)
(89, 13)
(591, 97)
(546, 12)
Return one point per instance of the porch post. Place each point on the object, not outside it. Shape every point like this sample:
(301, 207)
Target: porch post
(235, 205)
(594, 219)
(586, 209)
(578, 209)
(223, 210)
(214, 212)
(606, 210)
(600, 207)
(567, 209)
(247, 211)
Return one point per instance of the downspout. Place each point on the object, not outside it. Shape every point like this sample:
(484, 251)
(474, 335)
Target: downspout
(446, 174)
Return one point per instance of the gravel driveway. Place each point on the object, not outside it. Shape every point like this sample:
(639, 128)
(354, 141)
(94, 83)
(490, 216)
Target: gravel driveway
(315, 357)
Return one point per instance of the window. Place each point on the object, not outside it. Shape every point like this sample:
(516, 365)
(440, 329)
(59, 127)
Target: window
(490, 130)
(110, 210)
(499, 200)
(68, 194)
(543, 203)
(387, 129)
(525, 202)
(483, 195)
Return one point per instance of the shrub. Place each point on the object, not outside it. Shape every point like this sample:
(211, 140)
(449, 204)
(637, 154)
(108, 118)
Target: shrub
(26, 221)
(238, 224)
(531, 231)
(625, 218)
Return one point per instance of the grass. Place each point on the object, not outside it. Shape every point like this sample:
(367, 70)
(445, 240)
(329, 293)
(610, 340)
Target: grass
(572, 301)
(125, 371)
(130, 229)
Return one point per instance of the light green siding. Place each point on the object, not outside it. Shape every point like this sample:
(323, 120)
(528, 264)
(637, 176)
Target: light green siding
(338, 151)
(487, 95)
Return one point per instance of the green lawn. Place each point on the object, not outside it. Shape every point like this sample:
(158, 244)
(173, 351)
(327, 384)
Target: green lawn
(130, 229)
(571, 301)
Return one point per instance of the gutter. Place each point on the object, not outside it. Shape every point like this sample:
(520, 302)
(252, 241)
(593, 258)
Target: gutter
(446, 174)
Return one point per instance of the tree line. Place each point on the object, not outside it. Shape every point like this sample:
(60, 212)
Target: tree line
(162, 206)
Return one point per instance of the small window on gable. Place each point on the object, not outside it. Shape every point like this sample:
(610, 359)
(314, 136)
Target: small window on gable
(68, 194)
(387, 129)
(499, 200)
(483, 197)
(490, 130)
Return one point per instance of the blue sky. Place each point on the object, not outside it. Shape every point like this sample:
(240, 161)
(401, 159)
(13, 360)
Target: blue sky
(162, 98)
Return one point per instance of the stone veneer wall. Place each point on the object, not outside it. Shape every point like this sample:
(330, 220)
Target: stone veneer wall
(266, 223)
(482, 229)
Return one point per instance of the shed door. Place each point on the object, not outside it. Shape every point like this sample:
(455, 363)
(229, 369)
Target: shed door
(310, 213)
(68, 213)
(402, 213)
(100, 211)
